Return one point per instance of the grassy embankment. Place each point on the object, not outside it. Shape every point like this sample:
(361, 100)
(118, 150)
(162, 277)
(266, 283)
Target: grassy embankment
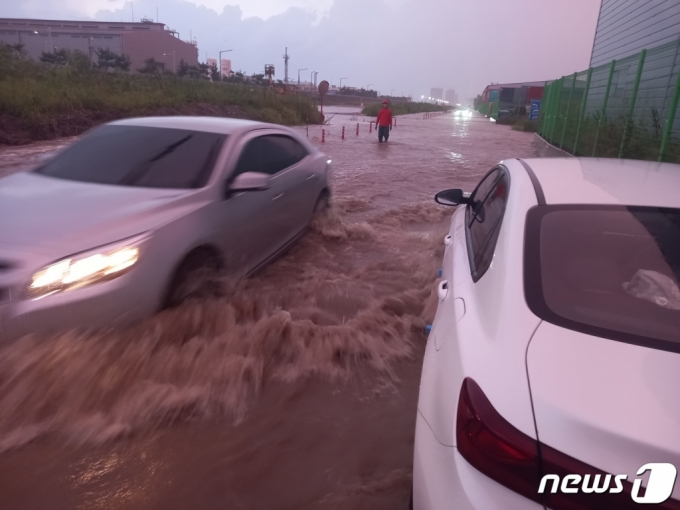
(40, 101)
(405, 108)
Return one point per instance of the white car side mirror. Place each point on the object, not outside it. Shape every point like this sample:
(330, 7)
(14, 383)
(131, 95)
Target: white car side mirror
(250, 181)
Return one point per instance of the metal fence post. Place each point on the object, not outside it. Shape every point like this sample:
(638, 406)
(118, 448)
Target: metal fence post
(583, 108)
(604, 105)
(543, 115)
(668, 128)
(631, 108)
(556, 106)
(566, 115)
(548, 109)
(544, 110)
(553, 95)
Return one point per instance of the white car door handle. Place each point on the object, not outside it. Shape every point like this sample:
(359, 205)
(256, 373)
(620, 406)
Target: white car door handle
(313, 176)
(278, 196)
(447, 240)
(443, 289)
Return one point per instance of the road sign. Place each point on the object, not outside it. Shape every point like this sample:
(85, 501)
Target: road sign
(323, 87)
(535, 108)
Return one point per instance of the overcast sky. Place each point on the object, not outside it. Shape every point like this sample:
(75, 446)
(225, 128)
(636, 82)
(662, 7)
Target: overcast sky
(405, 45)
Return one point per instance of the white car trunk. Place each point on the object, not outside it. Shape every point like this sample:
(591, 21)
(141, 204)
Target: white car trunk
(612, 405)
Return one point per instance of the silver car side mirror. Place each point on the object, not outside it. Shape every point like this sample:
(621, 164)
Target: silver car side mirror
(250, 181)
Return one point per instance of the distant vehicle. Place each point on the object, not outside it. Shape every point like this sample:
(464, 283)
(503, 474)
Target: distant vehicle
(126, 220)
(556, 345)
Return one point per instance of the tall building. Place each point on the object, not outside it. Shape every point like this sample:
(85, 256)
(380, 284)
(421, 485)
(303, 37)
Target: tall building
(436, 93)
(626, 28)
(451, 96)
(226, 67)
(139, 41)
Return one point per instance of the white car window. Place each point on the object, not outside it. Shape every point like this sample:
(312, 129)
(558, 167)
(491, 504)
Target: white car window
(609, 271)
(484, 218)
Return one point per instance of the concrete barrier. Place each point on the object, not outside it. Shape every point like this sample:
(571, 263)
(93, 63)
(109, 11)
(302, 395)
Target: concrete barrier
(546, 150)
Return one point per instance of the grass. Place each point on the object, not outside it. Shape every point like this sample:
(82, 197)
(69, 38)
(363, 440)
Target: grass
(524, 124)
(404, 108)
(38, 95)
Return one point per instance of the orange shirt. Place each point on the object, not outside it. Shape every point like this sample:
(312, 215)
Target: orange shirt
(384, 117)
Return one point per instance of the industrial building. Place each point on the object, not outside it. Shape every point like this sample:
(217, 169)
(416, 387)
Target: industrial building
(501, 99)
(140, 41)
(626, 28)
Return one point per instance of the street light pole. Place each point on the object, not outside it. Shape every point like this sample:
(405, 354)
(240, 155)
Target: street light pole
(341, 82)
(392, 92)
(220, 55)
(368, 85)
(303, 69)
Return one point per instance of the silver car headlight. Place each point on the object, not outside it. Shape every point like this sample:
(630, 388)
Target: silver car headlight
(87, 268)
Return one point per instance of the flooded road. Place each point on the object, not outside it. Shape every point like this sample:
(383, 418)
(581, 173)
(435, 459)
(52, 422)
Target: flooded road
(298, 389)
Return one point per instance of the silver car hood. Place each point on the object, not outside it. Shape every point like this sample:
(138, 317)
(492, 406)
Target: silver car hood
(52, 217)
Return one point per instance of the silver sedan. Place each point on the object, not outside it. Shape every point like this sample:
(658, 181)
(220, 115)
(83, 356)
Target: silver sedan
(118, 225)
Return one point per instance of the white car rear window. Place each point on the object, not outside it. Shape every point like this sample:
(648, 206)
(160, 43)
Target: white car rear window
(606, 270)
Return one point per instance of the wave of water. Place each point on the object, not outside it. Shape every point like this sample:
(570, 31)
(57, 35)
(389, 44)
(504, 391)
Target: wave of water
(352, 295)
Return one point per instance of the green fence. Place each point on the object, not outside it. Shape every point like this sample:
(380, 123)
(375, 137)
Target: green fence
(624, 109)
(490, 109)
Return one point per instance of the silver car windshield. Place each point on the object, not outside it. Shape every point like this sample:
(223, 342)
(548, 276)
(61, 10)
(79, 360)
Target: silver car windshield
(139, 156)
(609, 271)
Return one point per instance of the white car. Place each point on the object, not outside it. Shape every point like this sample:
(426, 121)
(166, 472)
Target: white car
(123, 222)
(555, 352)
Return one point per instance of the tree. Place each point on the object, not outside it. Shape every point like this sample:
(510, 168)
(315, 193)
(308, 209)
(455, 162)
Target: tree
(78, 61)
(58, 57)
(478, 100)
(183, 68)
(203, 71)
(152, 67)
(214, 72)
(107, 59)
(17, 49)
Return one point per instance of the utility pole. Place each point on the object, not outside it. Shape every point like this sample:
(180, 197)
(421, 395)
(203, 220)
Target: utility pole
(132, 10)
(90, 49)
(286, 57)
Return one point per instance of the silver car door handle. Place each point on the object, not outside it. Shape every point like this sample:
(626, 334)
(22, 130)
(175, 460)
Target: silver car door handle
(278, 196)
(447, 240)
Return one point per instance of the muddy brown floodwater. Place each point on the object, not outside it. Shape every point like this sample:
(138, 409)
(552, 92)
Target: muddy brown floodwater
(298, 389)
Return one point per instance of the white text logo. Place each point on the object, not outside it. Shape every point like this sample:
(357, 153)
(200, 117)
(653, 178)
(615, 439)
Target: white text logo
(659, 485)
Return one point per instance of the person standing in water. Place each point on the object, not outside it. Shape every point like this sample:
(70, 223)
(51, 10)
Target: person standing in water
(384, 122)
